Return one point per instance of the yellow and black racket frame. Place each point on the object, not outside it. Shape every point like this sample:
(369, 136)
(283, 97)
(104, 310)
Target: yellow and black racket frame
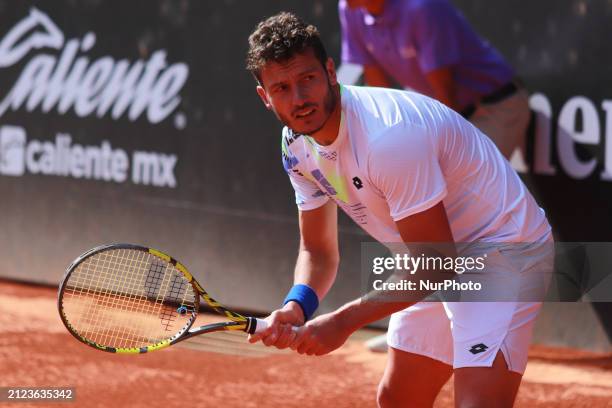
(237, 321)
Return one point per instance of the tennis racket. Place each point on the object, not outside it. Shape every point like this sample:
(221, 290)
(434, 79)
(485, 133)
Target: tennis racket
(125, 298)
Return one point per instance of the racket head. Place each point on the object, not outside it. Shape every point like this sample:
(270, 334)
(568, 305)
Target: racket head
(125, 298)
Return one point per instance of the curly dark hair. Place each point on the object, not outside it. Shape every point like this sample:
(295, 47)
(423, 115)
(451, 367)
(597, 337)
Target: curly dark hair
(280, 37)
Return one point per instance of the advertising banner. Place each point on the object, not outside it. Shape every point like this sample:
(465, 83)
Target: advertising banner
(137, 122)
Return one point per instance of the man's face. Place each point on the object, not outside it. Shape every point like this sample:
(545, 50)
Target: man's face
(374, 7)
(300, 91)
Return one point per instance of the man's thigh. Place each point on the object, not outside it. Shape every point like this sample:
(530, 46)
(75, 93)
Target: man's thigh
(411, 380)
(420, 356)
(494, 386)
(422, 329)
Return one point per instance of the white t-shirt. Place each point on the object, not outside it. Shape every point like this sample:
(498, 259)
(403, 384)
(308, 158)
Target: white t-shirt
(399, 153)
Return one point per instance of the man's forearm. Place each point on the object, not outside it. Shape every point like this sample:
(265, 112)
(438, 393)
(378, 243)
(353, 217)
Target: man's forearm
(379, 304)
(444, 87)
(360, 312)
(316, 270)
(376, 304)
(375, 76)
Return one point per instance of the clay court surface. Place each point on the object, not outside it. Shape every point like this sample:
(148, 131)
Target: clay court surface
(222, 370)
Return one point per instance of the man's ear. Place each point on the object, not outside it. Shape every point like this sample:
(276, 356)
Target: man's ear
(330, 67)
(264, 97)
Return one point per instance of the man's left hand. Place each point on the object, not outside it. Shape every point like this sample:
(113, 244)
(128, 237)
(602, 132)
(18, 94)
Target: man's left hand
(320, 336)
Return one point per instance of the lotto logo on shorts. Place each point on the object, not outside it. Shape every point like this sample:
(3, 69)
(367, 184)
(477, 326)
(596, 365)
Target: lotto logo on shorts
(479, 348)
(12, 150)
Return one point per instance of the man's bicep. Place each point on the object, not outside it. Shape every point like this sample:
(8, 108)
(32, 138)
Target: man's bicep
(319, 229)
(430, 225)
(428, 234)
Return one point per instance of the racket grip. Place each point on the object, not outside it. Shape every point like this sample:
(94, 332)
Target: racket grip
(260, 326)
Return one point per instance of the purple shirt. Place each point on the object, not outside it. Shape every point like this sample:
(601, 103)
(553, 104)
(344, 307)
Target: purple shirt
(414, 37)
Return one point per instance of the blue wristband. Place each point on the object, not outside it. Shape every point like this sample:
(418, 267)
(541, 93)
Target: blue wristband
(304, 296)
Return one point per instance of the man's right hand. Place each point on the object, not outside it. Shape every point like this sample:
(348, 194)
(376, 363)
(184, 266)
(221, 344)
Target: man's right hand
(280, 331)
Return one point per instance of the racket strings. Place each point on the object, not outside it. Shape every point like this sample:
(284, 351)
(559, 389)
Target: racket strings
(138, 305)
(127, 298)
(177, 292)
(106, 297)
(126, 301)
(158, 285)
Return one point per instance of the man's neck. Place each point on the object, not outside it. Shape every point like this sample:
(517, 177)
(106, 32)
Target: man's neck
(329, 132)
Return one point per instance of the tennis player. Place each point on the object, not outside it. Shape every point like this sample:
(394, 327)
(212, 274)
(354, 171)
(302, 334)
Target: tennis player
(406, 168)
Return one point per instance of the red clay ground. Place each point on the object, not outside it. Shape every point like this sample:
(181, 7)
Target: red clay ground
(223, 370)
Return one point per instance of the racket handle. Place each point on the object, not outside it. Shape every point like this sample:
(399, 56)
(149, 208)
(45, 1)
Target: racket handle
(257, 326)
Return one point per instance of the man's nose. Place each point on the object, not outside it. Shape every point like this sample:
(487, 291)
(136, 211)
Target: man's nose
(299, 96)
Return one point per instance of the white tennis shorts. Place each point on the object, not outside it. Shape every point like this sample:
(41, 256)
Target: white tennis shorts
(469, 334)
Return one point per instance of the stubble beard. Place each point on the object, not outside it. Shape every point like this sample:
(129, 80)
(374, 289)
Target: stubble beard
(329, 104)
